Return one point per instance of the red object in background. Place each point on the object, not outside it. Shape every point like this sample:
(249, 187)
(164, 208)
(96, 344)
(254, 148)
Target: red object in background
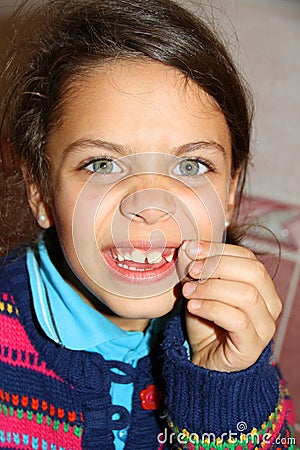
(284, 220)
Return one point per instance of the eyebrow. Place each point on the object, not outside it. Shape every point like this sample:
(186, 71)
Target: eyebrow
(82, 144)
(201, 145)
(122, 150)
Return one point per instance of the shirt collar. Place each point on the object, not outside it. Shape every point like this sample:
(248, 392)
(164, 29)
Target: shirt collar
(57, 304)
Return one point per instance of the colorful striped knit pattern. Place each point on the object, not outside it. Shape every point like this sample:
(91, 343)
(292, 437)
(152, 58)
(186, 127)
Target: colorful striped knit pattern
(51, 426)
(276, 433)
(52, 398)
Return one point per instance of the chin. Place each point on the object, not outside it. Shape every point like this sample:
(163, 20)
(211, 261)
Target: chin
(143, 308)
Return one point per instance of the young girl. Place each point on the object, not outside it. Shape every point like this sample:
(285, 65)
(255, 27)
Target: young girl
(127, 320)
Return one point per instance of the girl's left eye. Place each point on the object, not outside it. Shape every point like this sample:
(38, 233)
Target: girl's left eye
(103, 166)
(190, 167)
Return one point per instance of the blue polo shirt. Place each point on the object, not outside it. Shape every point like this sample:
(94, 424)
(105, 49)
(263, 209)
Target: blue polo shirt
(81, 327)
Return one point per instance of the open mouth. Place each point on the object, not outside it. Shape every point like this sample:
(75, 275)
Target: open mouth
(140, 262)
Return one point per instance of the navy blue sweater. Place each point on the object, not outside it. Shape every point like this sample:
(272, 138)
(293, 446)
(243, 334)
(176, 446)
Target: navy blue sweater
(55, 398)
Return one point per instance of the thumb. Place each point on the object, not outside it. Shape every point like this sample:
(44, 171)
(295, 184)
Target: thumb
(184, 262)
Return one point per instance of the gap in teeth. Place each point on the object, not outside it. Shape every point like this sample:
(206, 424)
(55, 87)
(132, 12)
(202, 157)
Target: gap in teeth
(152, 257)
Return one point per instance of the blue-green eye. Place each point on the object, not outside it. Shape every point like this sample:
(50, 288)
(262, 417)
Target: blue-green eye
(103, 166)
(190, 167)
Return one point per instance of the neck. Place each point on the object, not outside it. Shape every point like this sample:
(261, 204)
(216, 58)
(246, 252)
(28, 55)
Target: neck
(59, 261)
(128, 324)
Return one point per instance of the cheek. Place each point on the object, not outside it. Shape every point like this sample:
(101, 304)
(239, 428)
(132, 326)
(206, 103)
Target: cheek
(88, 217)
(81, 206)
(207, 208)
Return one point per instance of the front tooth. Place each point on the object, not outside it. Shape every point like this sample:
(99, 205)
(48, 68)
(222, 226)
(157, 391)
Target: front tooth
(120, 257)
(127, 256)
(169, 258)
(154, 257)
(138, 256)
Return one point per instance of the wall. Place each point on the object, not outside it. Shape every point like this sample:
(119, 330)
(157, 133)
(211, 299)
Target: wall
(267, 51)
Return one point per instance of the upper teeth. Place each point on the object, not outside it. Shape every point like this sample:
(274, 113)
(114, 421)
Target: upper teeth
(170, 257)
(154, 256)
(137, 256)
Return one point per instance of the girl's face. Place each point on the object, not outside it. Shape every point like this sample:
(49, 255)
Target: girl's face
(141, 161)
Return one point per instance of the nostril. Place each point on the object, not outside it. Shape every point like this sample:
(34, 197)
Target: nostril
(136, 217)
(150, 215)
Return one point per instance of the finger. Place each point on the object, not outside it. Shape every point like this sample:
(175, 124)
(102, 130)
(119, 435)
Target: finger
(198, 250)
(191, 251)
(252, 272)
(239, 295)
(183, 262)
(206, 256)
(243, 335)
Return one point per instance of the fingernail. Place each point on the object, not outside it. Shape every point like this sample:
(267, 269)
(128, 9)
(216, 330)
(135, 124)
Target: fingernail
(197, 267)
(189, 288)
(194, 304)
(194, 249)
(184, 245)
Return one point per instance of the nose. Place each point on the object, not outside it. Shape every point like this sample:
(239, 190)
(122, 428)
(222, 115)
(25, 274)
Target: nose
(149, 206)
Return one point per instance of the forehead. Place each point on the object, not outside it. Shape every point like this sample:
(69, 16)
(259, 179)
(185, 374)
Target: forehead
(134, 101)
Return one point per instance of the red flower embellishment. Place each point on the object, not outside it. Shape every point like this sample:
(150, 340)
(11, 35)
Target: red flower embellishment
(150, 398)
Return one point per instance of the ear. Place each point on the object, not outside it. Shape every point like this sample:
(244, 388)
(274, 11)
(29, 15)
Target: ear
(231, 199)
(39, 208)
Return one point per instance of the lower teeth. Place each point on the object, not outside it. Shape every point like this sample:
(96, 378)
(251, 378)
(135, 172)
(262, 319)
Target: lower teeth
(134, 269)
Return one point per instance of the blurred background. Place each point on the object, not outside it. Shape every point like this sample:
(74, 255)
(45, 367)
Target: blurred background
(264, 37)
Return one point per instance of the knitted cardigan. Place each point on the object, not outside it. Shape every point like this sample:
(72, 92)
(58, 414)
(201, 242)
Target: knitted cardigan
(53, 398)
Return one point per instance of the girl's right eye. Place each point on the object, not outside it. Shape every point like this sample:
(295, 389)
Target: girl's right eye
(103, 166)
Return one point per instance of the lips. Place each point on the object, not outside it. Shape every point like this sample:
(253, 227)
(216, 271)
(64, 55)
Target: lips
(142, 261)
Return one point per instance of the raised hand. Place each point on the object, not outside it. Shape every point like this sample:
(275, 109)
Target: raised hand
(231, 314)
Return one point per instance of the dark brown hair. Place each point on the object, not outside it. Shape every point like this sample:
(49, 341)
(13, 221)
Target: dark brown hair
(57, 41)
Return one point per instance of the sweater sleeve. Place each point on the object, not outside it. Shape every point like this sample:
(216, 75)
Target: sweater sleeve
(207, 409)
